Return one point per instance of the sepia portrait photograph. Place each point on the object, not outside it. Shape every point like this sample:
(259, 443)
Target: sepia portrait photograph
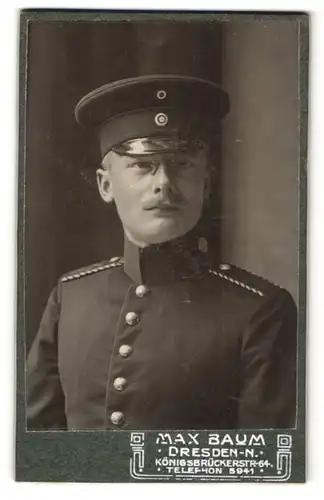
(162, 264)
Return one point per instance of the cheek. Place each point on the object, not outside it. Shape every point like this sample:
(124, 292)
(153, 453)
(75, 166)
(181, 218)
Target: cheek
(127, 194)
(193, 188)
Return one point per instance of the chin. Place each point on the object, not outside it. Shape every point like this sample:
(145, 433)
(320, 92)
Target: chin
(165, 232)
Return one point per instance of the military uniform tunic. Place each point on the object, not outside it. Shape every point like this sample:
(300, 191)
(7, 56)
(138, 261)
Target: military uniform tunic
(162, 340)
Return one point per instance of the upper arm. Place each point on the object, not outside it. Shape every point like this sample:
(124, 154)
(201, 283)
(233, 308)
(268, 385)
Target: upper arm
(268, 392)
(45, 398)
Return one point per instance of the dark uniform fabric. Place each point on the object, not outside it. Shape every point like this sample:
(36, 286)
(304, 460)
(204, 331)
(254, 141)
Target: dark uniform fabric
(162, 340)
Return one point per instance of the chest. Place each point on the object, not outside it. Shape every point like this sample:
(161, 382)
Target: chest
(178, 332)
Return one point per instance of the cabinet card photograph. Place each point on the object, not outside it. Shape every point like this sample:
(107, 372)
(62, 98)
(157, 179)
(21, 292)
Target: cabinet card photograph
(162, 236)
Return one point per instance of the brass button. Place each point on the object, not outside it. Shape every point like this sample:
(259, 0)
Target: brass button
(141, 291)
(132, 318)
(117, 417)
(120, 383)
(125, 350)
(224, 267)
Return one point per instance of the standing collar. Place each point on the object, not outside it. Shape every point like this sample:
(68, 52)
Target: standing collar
(183, 258)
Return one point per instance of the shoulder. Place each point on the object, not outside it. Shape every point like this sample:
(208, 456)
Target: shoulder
(253, 293)
(92, 269)
(243, 282)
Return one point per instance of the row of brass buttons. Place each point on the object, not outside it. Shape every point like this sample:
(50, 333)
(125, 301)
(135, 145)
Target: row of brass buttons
(125, 350)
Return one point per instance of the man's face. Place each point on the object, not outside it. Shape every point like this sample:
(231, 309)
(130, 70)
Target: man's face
(158, 197)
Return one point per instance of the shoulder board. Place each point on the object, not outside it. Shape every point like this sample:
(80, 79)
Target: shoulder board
(244, 279)
(95, 268)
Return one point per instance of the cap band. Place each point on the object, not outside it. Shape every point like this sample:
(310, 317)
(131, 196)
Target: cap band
(148, 123)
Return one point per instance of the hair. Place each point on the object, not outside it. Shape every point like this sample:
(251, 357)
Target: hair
(106, 162)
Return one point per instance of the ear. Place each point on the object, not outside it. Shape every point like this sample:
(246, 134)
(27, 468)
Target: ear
(104, 185)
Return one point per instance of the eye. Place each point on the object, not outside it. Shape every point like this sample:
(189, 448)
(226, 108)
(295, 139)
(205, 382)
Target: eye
(181, 163)
(185, 163)
(143, 165)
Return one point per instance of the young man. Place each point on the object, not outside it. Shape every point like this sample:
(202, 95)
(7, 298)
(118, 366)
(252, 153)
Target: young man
(161, 339)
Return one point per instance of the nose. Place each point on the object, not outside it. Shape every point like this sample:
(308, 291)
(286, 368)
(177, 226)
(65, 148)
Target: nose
(162, 181)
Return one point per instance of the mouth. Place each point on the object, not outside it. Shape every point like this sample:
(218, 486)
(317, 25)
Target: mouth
(164, 208)
(164, 211)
